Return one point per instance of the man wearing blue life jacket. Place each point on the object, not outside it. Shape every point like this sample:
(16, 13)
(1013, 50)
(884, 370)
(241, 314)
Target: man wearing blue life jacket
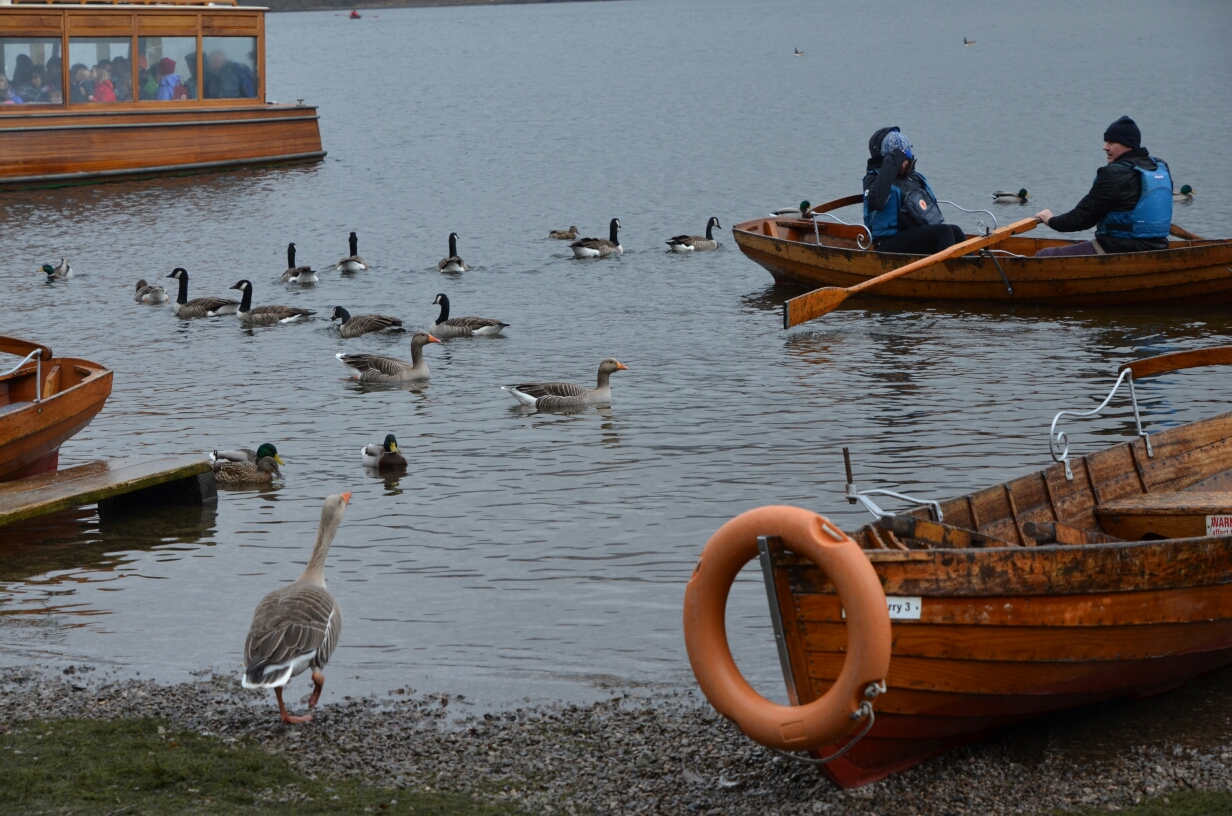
(1130, 203)
(900, 209)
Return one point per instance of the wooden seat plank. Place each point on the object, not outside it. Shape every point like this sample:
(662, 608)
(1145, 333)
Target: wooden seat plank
(1169, 504)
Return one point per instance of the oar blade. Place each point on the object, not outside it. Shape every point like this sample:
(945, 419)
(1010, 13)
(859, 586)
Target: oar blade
(814, 304)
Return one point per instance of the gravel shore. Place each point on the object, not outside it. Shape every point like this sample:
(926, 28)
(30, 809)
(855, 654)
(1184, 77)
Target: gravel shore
(671, 755)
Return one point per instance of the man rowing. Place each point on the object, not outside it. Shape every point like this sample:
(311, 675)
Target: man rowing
(900, 209)
(1130, 203)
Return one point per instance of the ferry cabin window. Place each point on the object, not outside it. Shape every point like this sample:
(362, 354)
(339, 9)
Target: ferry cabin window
(32, 71)
(100, 70)
(230, 67)
(166, 68)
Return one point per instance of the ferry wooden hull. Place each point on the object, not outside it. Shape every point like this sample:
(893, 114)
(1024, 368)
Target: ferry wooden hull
(45, 149)
(1187, 272)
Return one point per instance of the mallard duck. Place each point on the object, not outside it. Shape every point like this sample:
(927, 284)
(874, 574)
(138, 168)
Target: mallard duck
(150, 294)
(352, 263)
(598, 247)
(373, 368)
(453, 263)
(564, 235)
(266, 449)
(800, 211)
(556, 396)
(696, 243)
(1185, 193)
(446, 326)
(266, 315)
(1002, 197)
(297, 274)
(296, 627)
(61, 272)
(383, 457)
(365, 324)
(261, 472)
(199, 307)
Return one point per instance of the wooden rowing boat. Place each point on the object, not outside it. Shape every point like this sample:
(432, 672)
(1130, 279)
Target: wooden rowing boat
(813, 253)
(203, 124)
(43, 402)
(1102, 576)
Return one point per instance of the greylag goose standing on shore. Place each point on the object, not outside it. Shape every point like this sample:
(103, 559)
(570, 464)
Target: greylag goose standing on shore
(373, 368)
(557, 396)
(690, 243)
(186, 309)
(453, 263)
(297, 274)
(358, 325)
(297, 626)
(383, 456)
(352, 263)
(266, 315)
(446, 326)
(599, 247)
(150, 294)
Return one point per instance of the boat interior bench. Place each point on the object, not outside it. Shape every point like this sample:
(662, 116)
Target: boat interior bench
(1163, 515)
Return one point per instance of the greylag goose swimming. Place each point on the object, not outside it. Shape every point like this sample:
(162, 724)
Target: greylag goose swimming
(557, 396)
(446, 326)
(598, 247)
(383, 456)
(150, 294)
(266, 315)
(247, 454)
(691, 243)
(297, 274)
(199, 307)
(61, 272)
(453, 263)
(297, 626)
(1002, 197)
(563, 235)
(373, 368)
(352, 263)
(236, 474)
(365, 324)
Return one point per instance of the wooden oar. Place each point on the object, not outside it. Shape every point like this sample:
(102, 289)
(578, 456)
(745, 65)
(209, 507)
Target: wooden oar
(1181, 232)
(825, 300)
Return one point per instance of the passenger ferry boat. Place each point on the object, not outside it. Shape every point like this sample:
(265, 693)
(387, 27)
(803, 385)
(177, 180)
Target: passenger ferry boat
(95, 90)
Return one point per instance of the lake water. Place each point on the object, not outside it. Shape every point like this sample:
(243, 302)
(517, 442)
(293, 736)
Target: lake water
(545, 556)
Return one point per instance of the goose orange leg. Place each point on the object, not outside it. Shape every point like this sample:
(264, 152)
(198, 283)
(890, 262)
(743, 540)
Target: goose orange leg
(318, 682)
(282, 710)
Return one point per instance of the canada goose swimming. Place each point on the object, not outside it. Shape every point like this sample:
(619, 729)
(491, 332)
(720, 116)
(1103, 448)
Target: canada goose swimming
(266, 315)
(186, 309)
(598, 247)
(374, 368)
(383, 457)
(61, 272)
(236, 474)
(296, 627)
(801, 211)
(691, 243)
(150, 294)
(1019, 197)
(564, 235)
(556, 396)
(297, 274)
(365, 324)
(446, 326)
(352, 263)
(968, 42)
(799, 53)
(453, 263)
(1185, 194)
(247, 454)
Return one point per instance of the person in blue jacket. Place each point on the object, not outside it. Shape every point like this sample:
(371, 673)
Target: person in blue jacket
(1129, 205)
(900, 209)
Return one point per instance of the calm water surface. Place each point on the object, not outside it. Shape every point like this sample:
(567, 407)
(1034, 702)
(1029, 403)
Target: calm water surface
(545, 556)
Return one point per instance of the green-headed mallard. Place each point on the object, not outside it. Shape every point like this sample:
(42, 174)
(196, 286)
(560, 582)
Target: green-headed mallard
(247, 455)
(374, 368)
(446, 326)
(1019, 197)
(696, 243)
(61, 272)
(1184, 194)
(383, 457)
(199, 307)
(557, 396)
(599, 247)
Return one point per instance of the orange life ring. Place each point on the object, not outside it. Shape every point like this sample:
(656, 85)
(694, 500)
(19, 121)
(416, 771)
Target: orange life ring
(787, 728)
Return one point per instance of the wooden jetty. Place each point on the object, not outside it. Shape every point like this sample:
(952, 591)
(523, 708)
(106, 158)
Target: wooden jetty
(1103, 576)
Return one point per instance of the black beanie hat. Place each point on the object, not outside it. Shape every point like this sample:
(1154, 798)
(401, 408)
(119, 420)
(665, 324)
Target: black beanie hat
(1124, 131)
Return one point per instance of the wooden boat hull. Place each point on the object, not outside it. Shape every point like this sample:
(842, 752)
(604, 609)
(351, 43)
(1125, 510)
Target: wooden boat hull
(1187, 272)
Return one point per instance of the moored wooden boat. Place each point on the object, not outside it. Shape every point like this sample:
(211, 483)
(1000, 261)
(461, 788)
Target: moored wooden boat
(44, 401)
(813, 253)
(1103, 576)
(186, 93)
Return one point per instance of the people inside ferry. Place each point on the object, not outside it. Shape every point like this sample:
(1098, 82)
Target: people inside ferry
(37, 91)
(225, 79)
(7, 95)
(190, 62)
(900, 209)
(104, 88)
(22, 69)
(122, 79)
(169, 85)
(82, 89)
(1129, 205)
(147, 83)
(55, 79)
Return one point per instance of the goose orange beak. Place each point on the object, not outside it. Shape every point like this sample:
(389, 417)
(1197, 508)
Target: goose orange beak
(432, 339)
(621, 367)
(346, 497)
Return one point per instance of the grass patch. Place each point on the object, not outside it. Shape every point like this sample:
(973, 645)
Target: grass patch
(149, 767)
(1186, 803)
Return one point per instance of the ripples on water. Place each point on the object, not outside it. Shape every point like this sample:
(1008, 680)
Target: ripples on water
(546, 555)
